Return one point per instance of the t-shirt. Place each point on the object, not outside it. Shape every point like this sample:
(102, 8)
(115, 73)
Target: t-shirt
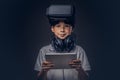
(62, 74)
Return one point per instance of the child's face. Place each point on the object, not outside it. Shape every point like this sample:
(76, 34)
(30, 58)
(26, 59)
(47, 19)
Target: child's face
(62, 30)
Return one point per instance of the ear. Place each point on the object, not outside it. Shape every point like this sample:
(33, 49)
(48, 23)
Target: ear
(71, 28)
(52, 28)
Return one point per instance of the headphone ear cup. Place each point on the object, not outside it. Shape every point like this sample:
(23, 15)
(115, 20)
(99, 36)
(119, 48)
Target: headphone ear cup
(57, 44)
(69, 43)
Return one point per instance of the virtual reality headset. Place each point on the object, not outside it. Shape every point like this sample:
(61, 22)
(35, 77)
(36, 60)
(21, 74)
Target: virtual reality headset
(65, 13)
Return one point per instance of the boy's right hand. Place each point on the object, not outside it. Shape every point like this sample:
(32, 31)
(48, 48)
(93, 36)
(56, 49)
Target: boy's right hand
(46, 65)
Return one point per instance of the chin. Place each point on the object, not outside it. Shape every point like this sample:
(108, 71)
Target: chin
(62, 37)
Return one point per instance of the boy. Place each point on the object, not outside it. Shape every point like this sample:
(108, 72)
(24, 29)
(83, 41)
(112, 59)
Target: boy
(62, 42)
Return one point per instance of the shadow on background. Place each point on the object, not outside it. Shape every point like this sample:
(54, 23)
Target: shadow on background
(25, 29)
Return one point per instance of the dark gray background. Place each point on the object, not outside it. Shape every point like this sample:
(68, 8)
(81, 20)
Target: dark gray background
(24, 29)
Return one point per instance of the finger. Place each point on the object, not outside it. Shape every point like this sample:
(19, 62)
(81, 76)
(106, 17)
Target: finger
(76, 61)
(47, 65)
(47, 62)
(46, 68)
(71, 63)
(75, 66)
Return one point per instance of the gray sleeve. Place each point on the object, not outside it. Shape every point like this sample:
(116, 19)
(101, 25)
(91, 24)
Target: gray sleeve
(84, 60)
(39, 61)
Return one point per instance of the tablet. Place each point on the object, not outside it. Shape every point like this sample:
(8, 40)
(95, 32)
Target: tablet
(60, 60)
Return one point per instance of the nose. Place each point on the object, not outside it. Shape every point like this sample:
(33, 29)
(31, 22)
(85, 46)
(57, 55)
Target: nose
(62, 29)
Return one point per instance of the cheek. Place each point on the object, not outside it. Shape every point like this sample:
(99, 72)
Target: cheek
(69, 31)
(55, 31)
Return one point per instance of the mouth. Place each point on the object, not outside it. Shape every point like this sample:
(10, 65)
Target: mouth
(62, 35)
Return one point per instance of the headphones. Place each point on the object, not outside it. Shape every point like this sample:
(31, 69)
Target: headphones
(66, 44)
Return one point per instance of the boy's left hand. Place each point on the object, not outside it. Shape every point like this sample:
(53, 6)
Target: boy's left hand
(75, 64)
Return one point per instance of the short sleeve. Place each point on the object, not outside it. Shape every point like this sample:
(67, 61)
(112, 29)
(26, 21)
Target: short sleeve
(39, 61)
(84, 60)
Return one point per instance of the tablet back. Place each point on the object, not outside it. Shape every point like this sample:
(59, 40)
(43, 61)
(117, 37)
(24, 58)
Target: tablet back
(60, 60)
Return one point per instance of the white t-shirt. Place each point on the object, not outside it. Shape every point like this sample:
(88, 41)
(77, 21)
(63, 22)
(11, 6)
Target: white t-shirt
(62, 74)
